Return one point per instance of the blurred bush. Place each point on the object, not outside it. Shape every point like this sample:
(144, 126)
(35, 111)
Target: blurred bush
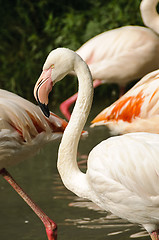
(30, 29)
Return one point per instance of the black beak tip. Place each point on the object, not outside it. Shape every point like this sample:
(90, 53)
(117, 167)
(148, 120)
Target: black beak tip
(45, 109)
(43, 106)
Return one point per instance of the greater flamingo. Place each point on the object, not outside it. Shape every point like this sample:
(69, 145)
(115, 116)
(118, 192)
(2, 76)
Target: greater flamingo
(122, 55)
(136, 111)
(123, 171)
(23, 131)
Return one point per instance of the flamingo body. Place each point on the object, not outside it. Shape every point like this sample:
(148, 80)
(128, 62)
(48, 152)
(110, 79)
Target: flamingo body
(24, 129)
(135, 111)
(124, 54)
(133, 48)
(123, 172)
(125, 180)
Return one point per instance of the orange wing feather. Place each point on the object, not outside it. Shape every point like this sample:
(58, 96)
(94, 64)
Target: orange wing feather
(125, 109)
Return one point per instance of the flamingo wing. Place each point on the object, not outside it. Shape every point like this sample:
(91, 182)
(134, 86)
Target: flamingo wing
(137, 110)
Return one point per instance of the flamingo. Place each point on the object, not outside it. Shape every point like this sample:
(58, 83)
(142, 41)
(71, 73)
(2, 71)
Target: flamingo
(132, 48)
(23, 131)
(136, 111)
(123, 171)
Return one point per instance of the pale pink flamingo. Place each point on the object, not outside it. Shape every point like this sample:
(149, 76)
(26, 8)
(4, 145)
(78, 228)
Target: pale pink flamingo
(23, 131)
(123, 171)
(136, 111)
(122, 55)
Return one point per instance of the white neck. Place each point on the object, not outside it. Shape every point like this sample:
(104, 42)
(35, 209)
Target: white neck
(70, 174)
(149, 14)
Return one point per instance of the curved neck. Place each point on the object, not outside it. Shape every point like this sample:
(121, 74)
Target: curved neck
(70, 174)
(149, 14)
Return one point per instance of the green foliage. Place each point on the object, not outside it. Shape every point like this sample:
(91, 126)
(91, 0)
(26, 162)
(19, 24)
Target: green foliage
(31, 29)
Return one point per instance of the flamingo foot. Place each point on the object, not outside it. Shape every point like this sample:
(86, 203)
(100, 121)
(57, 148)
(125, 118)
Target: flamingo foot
(51, 230)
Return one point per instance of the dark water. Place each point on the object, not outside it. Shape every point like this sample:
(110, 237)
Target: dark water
(76, 218)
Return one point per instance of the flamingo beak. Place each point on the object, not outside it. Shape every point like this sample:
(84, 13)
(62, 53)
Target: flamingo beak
(42, 89)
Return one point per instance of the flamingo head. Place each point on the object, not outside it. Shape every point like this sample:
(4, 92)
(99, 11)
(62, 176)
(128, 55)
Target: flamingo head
(57, 65)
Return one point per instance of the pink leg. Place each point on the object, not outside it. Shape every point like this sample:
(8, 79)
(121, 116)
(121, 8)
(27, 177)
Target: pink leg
(50, 226)
(155, 235)
(64, 107)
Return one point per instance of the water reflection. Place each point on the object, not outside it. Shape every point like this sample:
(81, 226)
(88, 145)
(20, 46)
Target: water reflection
(76, 218)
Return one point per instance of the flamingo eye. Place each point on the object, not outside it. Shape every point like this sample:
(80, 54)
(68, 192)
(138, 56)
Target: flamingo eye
(52, 66)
